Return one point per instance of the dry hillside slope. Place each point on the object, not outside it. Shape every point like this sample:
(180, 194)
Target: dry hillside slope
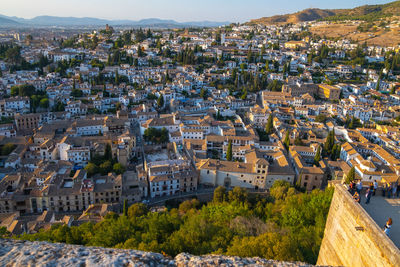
(366, 12)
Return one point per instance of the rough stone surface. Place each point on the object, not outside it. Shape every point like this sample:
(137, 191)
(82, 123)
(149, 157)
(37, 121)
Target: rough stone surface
(352, 237)
(185, 259)
(24, 253)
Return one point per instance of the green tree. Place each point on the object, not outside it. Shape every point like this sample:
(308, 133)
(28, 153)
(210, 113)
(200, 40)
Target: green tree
(378, 85)
(105, 167)
(13, 55)
(76, 93)
(188, 205)
(299, 180)
(351, 175)
(91, 169)
(23, 90)
(3, 232)
(392, 90)
(269, 127)
(156, 136)
(219, 194)
(116, 77)
(108, 152)
(125, 210)
(238, 194)
(204, 93)
(286, 141)
(229, 151)
(7, 149)
(44, 103)
(236, 227)
(118, 168)
(160, 101)
(336, 151)
(329, 142)
(317, 157)
(354, 123)
(140, 52)
(137, 210)
(321, 118)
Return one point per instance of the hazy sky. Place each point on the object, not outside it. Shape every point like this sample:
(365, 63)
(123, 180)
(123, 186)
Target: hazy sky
(179, 10)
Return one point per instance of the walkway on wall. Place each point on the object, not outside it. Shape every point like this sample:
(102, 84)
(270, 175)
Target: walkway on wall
(380, 209)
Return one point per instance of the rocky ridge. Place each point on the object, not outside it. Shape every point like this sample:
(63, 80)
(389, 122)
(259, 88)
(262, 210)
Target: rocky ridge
(24, 253)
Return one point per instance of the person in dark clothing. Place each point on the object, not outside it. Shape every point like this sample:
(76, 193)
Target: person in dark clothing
(384, 188)
(398, 189)
(368, 195)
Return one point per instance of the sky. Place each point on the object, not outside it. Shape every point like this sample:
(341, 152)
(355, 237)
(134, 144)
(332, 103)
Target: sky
(179, 10)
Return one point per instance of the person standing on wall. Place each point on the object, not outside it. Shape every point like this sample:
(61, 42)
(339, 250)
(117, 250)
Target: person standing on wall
(387, 227)
(394, 189)
(375, 187)
(384, 188)
(389, 189)
(359, 186)
(368, 195)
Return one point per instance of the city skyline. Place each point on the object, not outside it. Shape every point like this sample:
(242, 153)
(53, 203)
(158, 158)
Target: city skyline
(221, 10)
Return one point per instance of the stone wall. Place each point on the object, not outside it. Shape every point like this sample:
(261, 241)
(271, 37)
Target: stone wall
(15, 253)
(352, 238)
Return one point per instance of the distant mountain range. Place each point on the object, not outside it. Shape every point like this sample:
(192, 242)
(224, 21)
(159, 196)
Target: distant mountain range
(86, 21)
(6, 21)
(366, 12)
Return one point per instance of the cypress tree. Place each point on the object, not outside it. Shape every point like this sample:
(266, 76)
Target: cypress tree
(329, 143)
(270, 126)
(317, 157)
(229, 151)
(160, 101)
(351, 175)
(298, 182)
(125, 207)
(286, 141)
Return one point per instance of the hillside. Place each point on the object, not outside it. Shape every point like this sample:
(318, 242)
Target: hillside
(366, 12)
(301, 16)
(7, 22)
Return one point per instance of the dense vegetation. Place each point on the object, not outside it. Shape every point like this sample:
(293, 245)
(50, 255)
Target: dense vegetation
(286, 225)
(104, 164)
(156, 136)
(37, 98)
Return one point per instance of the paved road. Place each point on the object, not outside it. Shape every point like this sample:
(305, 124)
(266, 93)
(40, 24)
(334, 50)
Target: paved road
(380, 209)
(200, 192)
(161, 200)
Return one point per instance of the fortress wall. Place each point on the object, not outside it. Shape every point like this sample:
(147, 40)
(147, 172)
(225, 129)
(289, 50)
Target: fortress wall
(352, 238)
